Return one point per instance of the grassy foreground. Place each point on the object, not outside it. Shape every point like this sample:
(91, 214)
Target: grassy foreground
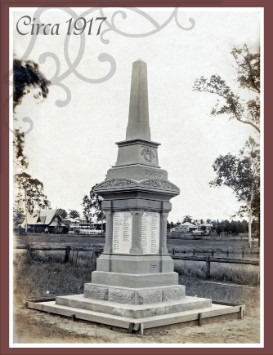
(45, 275)
(233, 273)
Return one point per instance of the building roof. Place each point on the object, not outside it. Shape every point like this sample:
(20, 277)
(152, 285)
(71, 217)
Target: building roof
(187, 224)
(56, 224)
(31, 218)
(41, 217)
(46, 216)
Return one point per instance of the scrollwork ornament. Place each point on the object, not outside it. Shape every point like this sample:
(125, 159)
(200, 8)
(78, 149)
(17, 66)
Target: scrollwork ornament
(110, 25)
(115, 183)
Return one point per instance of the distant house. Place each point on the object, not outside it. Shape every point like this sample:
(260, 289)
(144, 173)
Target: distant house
(72, 223)
(95, 224)
(84, 223)
(45, 221)
(185, 227)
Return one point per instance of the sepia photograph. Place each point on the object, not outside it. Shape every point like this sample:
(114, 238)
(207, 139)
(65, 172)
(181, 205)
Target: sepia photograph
(136, 171)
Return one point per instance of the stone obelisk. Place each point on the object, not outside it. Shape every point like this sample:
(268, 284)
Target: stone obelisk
(134, 285)
(138, 123)
(135, 275)
(135, 267)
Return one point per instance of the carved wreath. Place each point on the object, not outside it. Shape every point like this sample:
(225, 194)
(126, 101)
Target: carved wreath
(148, 154)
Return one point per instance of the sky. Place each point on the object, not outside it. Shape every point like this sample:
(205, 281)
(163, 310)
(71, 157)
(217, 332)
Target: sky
(70, 148)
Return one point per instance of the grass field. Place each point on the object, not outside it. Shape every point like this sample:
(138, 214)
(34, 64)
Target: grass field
(44, 274)
(48, 272)
(238, 274)
(178, 243)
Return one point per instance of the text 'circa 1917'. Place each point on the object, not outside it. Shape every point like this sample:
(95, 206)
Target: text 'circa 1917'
(28, 26)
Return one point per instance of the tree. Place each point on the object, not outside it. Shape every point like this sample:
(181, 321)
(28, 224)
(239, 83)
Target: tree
(92, 206)
(233, 227)
(18, 217)
(74, 214)
(20, 158)
(170, 226)
(242, 175)
(27, 76)
(62, 213)
(230, 103)
(30, 195)
(226, 226)
(187, 218)
(219, 229)
(252, 150)
(87, 209)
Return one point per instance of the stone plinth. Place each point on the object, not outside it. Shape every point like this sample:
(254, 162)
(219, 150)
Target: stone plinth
(135, 264)
(134, 295)
(134, 280)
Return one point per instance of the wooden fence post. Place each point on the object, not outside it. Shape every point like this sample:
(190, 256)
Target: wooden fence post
(200, 319)
(77, 254)
(67, 253)
(29, 254)
(95, 253)
(208, 268)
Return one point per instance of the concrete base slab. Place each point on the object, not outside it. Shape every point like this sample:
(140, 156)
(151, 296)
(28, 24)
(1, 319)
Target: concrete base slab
(215, 312)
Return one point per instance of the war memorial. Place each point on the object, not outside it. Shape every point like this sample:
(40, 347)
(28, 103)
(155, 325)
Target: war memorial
(134, 285)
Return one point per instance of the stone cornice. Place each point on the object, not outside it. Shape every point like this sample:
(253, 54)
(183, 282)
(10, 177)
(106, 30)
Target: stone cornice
(137, 141)
(122, 184)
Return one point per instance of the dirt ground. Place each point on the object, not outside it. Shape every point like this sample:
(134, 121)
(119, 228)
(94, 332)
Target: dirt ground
(32, 326)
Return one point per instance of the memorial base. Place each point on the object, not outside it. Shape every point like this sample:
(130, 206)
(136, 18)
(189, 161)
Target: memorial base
(189, 311)
(136, 300)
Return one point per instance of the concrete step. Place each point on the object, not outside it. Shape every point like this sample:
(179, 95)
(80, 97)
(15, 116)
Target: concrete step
(134, 311)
